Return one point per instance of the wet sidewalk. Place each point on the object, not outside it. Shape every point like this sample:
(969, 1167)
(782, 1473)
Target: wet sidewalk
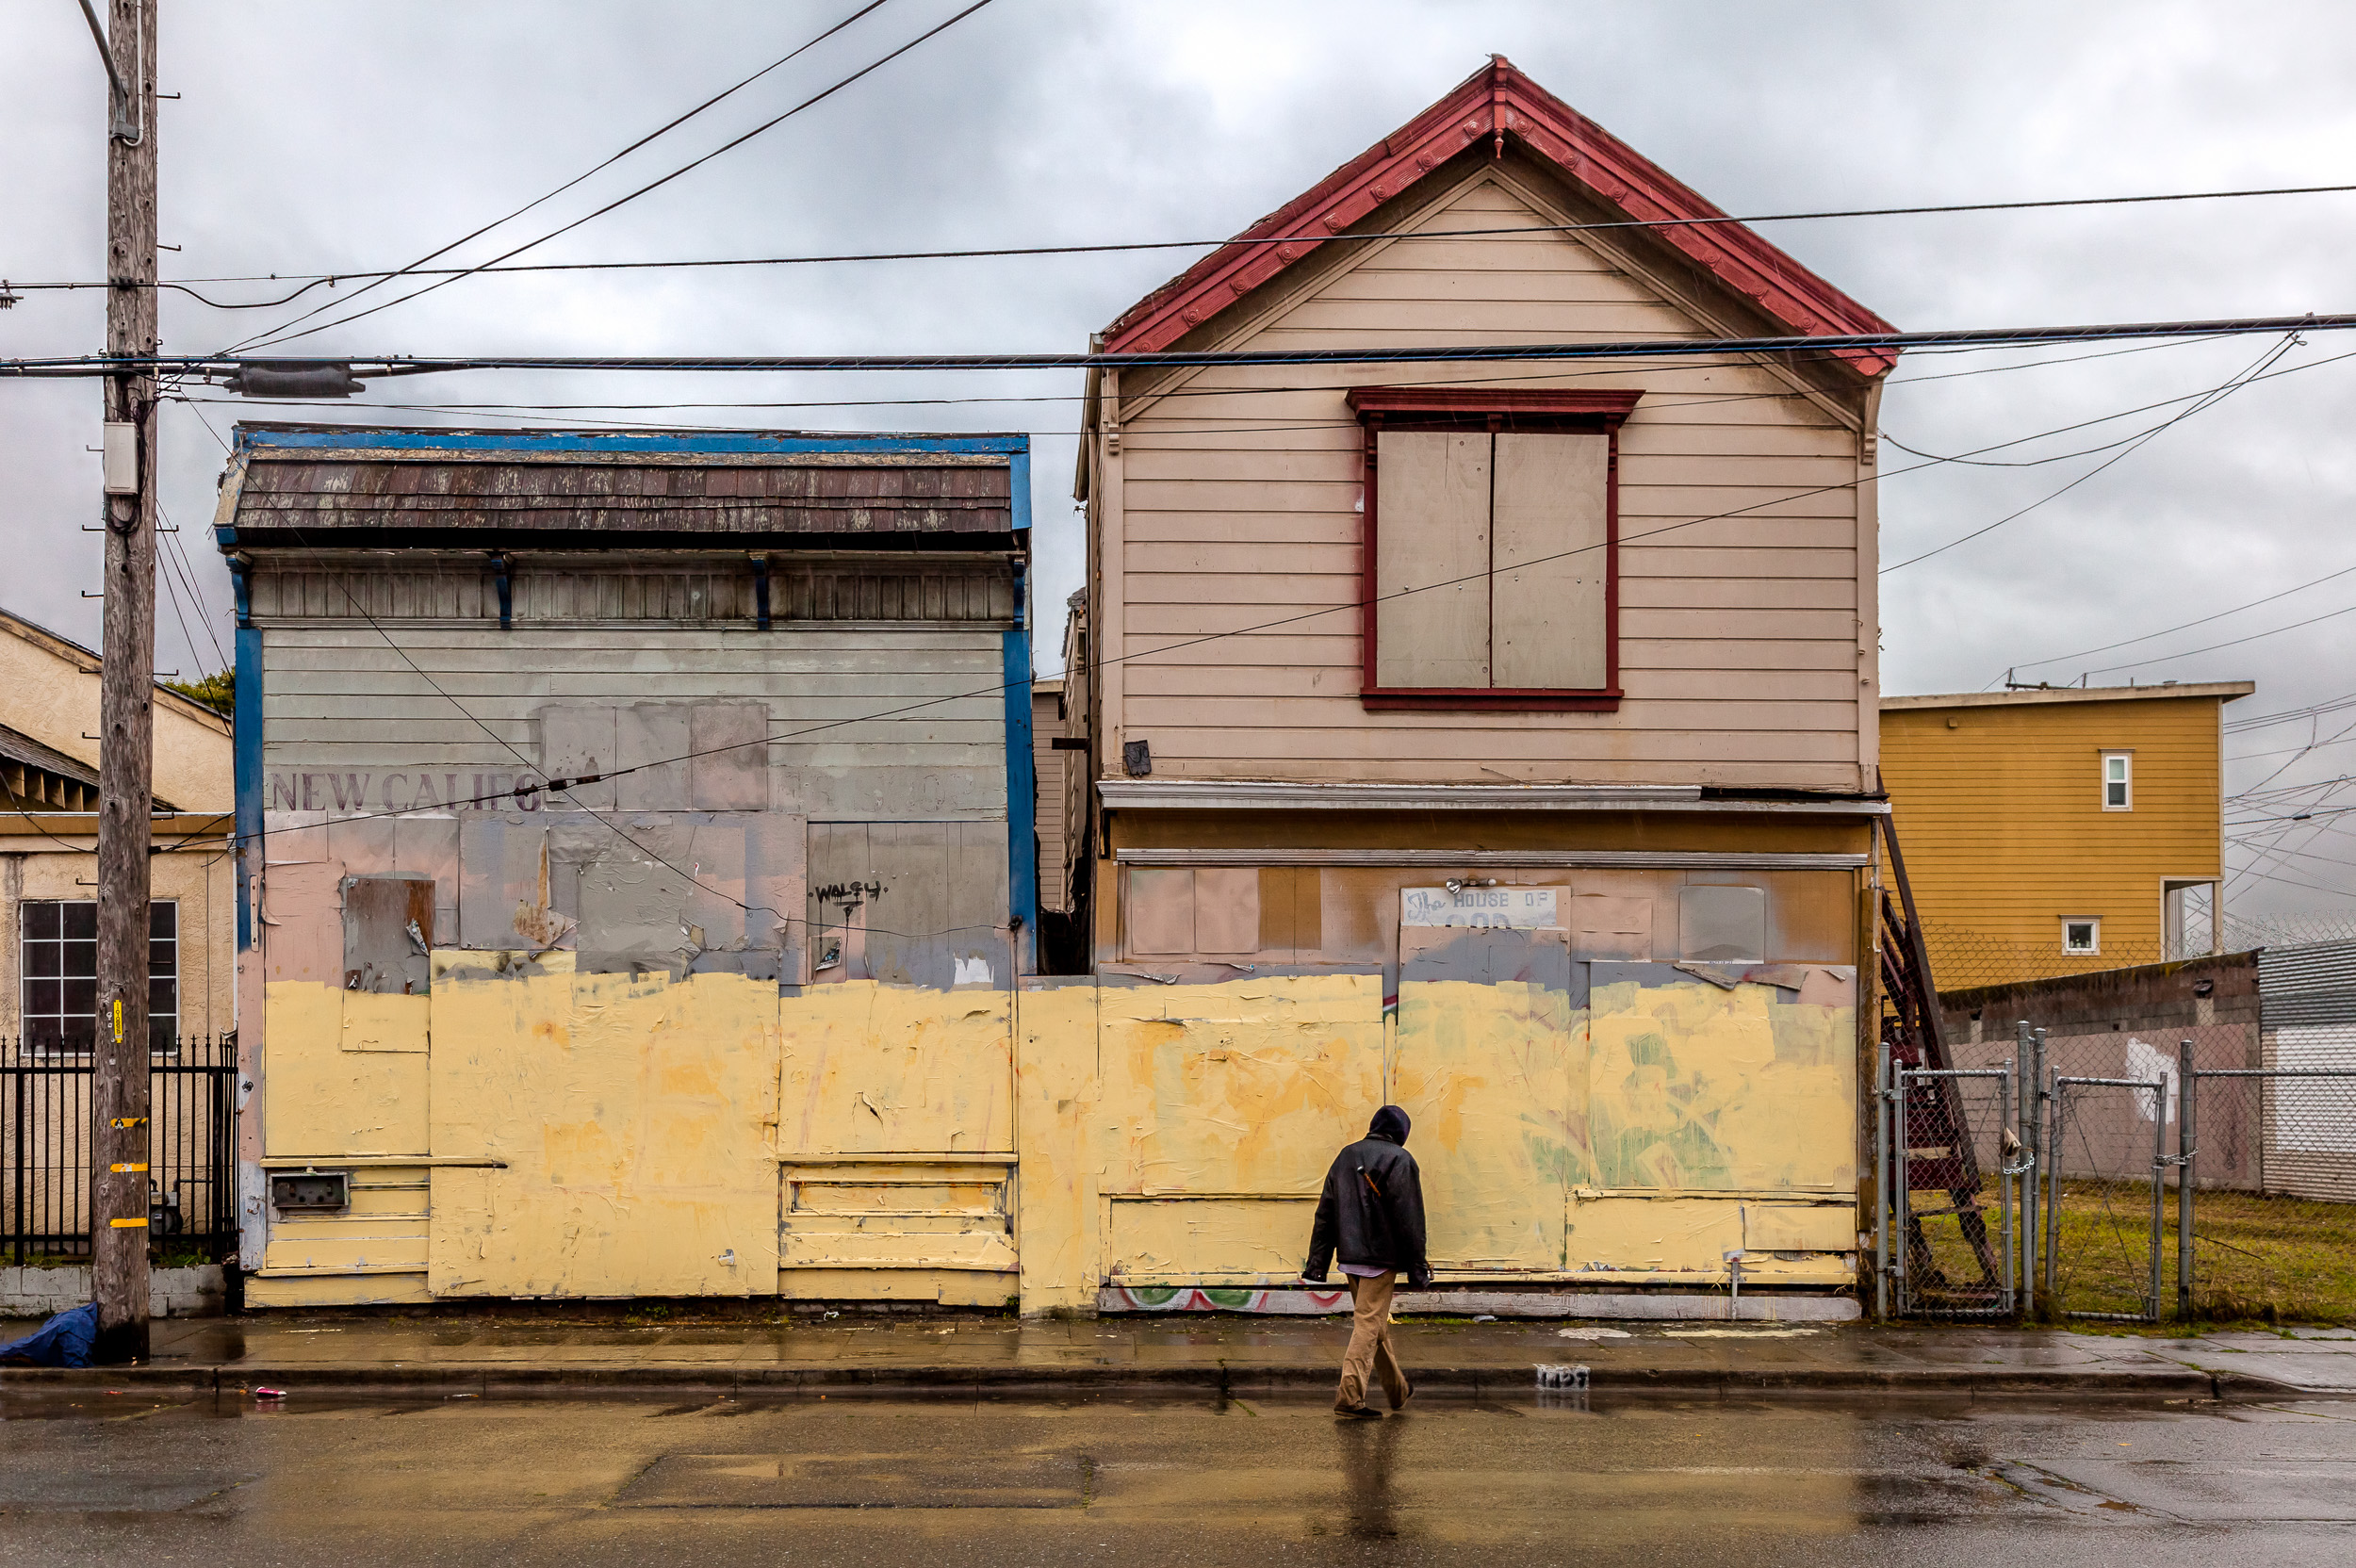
(448, 1355)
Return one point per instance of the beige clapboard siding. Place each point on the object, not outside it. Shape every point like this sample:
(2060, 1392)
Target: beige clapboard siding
(1307, 680)
(1257, 712)
(1740, 643)
(1468, 742)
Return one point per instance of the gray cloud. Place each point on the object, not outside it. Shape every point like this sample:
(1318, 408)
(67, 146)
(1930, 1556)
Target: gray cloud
(312, 138)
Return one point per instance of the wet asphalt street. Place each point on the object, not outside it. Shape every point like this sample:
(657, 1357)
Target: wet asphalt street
(88, 1478)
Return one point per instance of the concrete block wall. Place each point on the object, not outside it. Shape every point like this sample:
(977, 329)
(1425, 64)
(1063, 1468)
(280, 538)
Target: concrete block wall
(199, 1292)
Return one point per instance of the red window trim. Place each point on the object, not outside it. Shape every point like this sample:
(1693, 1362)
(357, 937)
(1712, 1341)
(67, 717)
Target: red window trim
(1382, 408)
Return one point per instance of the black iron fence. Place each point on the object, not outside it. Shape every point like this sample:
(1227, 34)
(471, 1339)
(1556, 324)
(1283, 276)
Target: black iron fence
(45, 1151)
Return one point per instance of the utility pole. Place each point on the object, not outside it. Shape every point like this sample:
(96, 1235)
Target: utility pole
(119, 1086)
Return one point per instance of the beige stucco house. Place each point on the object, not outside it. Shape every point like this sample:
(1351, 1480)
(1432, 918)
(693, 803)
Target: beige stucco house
(49, 847)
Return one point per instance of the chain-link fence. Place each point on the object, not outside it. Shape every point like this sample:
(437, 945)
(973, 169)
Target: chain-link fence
(1948, 1233)
(2282, 1246)
(2267, 1231)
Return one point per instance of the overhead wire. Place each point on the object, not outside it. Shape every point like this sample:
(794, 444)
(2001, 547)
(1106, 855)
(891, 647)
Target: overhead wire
(415, 267)
(312, 280)
(2205, 401)
(2186, 626)
(523, 791)
(815, 99)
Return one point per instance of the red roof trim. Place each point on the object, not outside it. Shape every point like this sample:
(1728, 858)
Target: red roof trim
(1496, 101)
(1612, 407)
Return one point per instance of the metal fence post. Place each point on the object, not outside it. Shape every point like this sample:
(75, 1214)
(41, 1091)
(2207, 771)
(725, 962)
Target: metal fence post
(1902, 1240)
(2185, 1149)
(16, 1167)
(2026, 1131)
(2159, 1195)
(1881, 1180)
(2005, 1179)
(2050, 1160)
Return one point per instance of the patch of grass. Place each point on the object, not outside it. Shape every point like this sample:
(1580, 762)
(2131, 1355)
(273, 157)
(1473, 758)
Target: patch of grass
(2258, 1259)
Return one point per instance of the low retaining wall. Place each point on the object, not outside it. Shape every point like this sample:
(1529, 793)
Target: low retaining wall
(199, 1292)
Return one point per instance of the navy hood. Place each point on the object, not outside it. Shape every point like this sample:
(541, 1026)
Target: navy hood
(1390, 1123)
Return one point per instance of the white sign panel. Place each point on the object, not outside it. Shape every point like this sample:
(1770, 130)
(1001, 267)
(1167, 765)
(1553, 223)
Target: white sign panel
(1514, 908)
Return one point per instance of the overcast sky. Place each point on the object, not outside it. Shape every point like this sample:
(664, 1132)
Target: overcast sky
(312, 138)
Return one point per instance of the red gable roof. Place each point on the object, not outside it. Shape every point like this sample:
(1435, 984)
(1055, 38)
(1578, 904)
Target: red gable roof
(1496, 102)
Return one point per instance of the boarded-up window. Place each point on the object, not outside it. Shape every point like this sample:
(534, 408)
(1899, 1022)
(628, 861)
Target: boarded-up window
(1492, 549)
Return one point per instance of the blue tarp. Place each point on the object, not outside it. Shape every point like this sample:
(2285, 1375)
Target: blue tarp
(63, 1341)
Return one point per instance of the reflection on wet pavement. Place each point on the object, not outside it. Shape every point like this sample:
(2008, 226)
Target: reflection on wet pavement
(883, 1478)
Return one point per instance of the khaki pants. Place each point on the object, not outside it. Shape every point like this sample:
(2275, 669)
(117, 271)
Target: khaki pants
(1371, 1344)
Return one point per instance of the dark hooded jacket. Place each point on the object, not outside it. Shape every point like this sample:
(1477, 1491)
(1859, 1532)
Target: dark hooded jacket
(1371, 1211)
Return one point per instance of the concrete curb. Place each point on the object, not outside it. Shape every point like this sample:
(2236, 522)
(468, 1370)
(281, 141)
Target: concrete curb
(1492, 1380)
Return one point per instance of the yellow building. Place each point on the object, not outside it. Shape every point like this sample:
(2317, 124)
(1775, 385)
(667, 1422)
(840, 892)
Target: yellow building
(2060, 829)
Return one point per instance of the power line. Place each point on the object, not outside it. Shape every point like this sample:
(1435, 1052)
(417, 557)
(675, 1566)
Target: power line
(417, 267)
(2187, 653)
(651, 186)
(1659, 348)
(555, 785)
(2205, 401)
(2264, 721)
(2316, 582)
(314, 279)
(1259, 389)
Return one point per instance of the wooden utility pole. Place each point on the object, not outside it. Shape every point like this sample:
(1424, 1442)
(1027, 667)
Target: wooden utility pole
(119, 1086)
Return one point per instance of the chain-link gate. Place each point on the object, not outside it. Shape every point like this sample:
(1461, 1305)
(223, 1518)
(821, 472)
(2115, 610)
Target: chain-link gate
(1942, 1135)
(2105, 1189)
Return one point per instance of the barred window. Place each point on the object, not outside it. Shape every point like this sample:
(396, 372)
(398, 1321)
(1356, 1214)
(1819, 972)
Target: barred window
(60, 974)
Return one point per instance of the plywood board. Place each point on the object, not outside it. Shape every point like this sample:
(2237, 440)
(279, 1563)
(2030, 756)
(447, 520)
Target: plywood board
(1549, 630)
(1431, 559)
(1494, 1079)
(634, 1117)
(1689, 1088)
(1246, 1238)
(868, 1067)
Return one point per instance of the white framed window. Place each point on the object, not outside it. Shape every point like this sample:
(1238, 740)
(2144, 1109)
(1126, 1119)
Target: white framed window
(2119, 781)
(2081, 934)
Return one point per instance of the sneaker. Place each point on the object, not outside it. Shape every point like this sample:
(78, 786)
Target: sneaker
(1356, 1412)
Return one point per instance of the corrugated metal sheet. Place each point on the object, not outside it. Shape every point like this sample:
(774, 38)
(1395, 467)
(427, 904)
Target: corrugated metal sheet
(2308, 986)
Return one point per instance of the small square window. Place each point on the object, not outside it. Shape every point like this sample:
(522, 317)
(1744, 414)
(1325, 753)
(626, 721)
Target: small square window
(2118, 781)
(2082, 936)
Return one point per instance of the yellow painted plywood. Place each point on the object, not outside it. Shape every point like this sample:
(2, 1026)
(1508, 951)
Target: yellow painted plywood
(635, 1116)
(392, 1288)
(949, 1287)
(1199, 1238)
(868, 1067)
(322, 1099)
(1689, 1090)
(1495, 1080)
(1248, 1085)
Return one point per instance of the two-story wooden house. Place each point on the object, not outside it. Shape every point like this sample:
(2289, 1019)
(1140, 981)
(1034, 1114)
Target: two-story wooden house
(1582, 649)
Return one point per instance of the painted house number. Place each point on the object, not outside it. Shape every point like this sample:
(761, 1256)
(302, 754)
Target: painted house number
(1514, 908)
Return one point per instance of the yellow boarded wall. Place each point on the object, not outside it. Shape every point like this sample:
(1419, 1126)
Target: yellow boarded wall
(568, 1135)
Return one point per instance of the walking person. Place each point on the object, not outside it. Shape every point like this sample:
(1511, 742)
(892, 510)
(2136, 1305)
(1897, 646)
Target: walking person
(1371, 1214)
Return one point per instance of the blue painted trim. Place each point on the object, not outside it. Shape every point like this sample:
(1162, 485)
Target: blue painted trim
(246, 752)
(1015, 447)
(1022, 767)
(1022, 798)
